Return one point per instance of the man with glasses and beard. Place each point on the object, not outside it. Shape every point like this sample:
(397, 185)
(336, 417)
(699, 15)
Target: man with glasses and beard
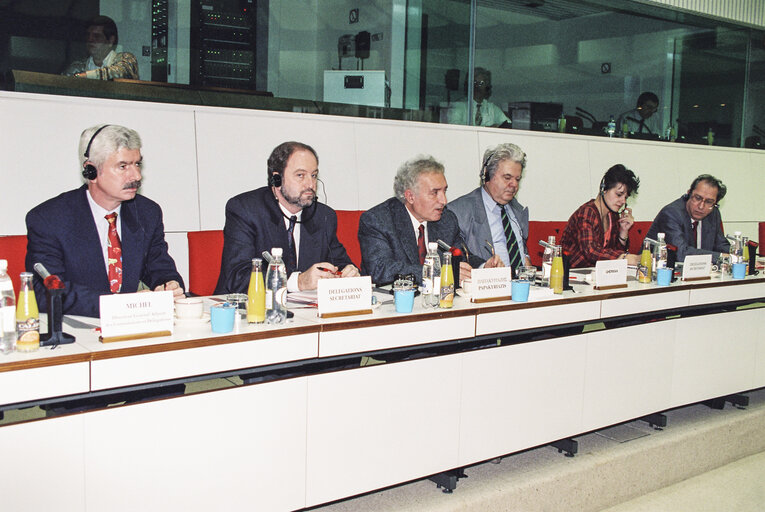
(692, 223)
(283, 214)
(102, 237)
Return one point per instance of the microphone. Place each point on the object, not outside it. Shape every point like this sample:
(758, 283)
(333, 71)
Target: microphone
(51, 282)
(267, 256)
(446, 247)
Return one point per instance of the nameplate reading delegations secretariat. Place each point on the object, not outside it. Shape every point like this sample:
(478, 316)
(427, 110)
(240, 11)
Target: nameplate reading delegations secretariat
(697, 266)
(345, 296)
(610, 274)
(491, 284)
(129, 316)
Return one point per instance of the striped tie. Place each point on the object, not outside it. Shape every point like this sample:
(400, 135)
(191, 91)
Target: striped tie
(512, 245)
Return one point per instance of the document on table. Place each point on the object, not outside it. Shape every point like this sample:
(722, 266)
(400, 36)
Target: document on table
(303, 299)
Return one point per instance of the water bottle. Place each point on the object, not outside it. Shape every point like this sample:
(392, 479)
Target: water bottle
(736, 248)
(7, 310)
(276, 289)
(547, 257)
(431, 277)
(611, 128)
(660, 255)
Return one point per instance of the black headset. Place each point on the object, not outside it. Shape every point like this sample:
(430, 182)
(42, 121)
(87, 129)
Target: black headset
(275, 180)
(89, 171)
(484, 166)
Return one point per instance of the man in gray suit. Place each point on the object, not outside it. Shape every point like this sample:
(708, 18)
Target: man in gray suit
(692, 223)
(492, 221)
(394, 234)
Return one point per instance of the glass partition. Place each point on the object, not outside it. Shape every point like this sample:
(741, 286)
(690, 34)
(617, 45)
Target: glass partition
(553, 65)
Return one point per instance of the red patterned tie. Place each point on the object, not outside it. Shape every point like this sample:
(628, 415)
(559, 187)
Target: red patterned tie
(421, 244)
(114, 254)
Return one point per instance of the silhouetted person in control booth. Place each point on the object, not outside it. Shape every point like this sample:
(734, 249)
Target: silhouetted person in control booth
(102, 237)
(693, 223)
(283, 214)
(640, 120)
(103, 62)
(485, 113)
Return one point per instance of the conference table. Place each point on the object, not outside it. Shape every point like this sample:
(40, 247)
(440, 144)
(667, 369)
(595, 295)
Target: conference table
(317, 423)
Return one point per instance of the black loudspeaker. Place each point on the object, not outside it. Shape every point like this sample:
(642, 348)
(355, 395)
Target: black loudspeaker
(89, 171)
(363, 44)
(452, 79)
(275, 180)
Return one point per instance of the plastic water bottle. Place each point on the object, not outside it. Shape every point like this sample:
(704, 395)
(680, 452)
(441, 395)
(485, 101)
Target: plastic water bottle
(276, 289)
(547, 257)
(611, 128)
(7, 310)
(660, 255)
(736, 248)
(431, 277)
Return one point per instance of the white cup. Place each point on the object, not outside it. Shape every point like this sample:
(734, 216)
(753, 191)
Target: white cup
(467, 286)
(189, 308)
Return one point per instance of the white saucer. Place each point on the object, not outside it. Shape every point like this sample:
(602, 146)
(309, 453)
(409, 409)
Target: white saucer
(204, 319)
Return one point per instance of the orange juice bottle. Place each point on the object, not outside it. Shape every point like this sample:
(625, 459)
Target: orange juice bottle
(645, 268)
(256, 294)
(447, 282)
(556, 271)
(27, 316)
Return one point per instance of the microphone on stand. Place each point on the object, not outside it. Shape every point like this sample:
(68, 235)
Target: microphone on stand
(51, 281)
(456, 251)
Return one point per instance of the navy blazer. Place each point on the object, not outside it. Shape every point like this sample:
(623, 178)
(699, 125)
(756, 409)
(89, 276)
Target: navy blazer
(62, 235)
(674, 221)
(255, 223)
(389, 247)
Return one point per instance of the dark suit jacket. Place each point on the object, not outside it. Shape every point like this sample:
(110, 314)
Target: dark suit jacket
(254, 223)
(474, 224)
(388, 244)
(62, 236)
(673, 220)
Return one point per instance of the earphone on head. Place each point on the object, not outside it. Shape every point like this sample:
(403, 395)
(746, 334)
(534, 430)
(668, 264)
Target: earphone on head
(602, 185)
(484, 166)
(275, 180)
(89, 171)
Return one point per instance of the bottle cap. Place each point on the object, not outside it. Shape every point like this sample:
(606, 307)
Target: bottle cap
(432, 246)
(276, 252)
(3, 265)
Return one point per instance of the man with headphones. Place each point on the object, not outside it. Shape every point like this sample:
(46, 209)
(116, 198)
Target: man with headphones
(485, 113)
(103, 63)
(283, 214)
(102, 237)
(491, 213)
(693, 223)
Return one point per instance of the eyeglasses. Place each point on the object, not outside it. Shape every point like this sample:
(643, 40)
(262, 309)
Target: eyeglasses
(708, 203)
(480, 83)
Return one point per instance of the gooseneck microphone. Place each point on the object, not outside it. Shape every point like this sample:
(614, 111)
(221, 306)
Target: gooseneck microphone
(446, 247)
(51, 282)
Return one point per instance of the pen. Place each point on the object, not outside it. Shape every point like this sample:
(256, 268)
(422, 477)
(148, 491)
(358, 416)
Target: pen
(491, 246)
(338, 273)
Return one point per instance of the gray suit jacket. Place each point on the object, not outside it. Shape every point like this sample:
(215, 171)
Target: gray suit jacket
(388, 244)
(673, 220)
(474, 225)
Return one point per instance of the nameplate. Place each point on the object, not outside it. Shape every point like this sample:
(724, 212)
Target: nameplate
(345, 296)
(491, 284)
(126, 316)
(610, 274)
(697, 267)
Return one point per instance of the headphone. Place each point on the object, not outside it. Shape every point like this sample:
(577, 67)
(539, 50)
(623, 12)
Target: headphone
(482, 175)
(89, 171)
(602, 185)
(275, 180)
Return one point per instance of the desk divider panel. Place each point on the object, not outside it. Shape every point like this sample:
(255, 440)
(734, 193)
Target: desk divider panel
(636, 304)
(44, 382)
(531, 317)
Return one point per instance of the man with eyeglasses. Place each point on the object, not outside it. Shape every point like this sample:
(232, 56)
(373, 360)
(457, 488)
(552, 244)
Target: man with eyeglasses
(640, 120)
(485, 113)
(692, 223)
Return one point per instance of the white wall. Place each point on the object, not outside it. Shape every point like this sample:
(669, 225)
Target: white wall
(198, 157)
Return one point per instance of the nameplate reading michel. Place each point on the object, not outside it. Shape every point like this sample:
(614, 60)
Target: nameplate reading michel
(491, 284)
(126, 316)
(610, 274)
(345, 296)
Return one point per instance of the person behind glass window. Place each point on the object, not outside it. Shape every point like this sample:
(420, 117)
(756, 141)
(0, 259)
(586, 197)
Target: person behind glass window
(485, 113)
(641, 119)
(693, 223)
(599, 229)
(103, 62)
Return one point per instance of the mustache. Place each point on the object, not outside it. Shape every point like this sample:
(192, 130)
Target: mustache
(132, 185)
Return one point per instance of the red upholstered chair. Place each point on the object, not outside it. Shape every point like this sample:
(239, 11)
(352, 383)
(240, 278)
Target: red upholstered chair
(637, 233)
(540, 230)
(347, 233)
(205, 252)
(14, 249)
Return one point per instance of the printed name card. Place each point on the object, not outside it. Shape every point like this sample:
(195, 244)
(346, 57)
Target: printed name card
(345, 296)
(490, 284)
(610, 274)
(697, 266)
(129, 316)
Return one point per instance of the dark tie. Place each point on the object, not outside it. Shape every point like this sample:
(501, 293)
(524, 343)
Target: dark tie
(421, 243)
(695, 225)
(291, 253)
(478, 116)
(641, 126)
(114, 254)
(512, 245)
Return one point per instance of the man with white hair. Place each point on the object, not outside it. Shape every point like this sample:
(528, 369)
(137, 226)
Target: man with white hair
(102, 237)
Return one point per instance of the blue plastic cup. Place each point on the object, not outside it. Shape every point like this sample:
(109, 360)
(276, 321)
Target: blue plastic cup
(664, 276)
(404, 300)
(739, 270)
(222, 317)
(520, 290)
